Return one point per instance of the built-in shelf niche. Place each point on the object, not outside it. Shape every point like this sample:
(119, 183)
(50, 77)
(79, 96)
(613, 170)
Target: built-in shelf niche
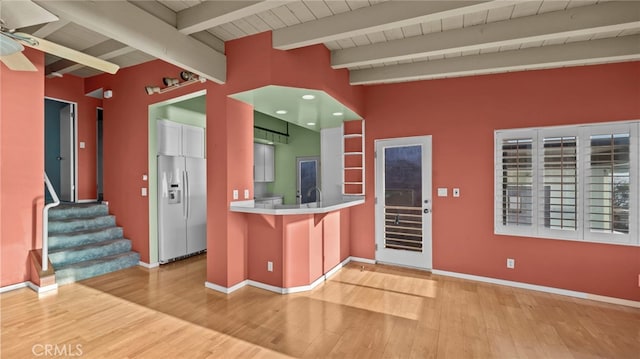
(353, 158)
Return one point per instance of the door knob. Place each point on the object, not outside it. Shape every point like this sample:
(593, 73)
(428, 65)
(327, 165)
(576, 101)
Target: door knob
(426, 210)
(59, 158)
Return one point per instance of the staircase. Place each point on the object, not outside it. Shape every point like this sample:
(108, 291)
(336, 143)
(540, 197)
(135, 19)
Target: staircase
(84, 242)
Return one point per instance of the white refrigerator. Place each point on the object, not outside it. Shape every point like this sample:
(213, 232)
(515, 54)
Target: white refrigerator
(182, 207)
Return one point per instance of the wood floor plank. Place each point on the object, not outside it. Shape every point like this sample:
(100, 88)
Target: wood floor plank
(363, 311)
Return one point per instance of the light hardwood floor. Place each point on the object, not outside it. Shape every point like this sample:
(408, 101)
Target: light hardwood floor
(361, 312)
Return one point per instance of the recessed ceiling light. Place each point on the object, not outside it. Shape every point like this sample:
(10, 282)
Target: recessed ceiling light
(281, 112)
(308, 97)
(311, 123)
(337, 113)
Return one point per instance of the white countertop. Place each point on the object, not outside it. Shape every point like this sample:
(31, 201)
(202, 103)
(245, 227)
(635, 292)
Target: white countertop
(284, 209)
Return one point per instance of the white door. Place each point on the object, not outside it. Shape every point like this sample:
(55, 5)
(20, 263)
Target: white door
(67, 175)
(403, 201)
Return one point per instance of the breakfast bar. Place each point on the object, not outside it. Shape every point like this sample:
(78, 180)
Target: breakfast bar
(292, 248)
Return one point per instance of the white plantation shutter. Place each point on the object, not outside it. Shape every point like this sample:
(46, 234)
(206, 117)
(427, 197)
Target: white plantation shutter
(569, 182)
(611, 184)
(559, 188)
(515, 185)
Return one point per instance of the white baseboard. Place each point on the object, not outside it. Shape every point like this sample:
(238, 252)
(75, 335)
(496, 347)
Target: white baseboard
(11, 287)
(148, 265)
(332, 271)
(362, 260)
(335, 269)
(280, 290)
(265, 286)
(539, 288)
(225, 290)
(30, 285)
(43, 290)
(305, 288)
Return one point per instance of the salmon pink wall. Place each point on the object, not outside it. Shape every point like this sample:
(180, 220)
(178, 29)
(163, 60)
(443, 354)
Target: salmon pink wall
(235, 168)
(21, 167)
(71, 88)
(461, 114)
(265, 244)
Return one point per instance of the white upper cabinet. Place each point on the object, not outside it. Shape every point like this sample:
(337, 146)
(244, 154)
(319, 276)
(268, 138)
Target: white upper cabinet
(169, 138)
(176, 139)
(192, 141)
(263, 163)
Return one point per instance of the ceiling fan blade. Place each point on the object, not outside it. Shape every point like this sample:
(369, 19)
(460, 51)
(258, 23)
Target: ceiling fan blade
(18, 62)
(70, 54)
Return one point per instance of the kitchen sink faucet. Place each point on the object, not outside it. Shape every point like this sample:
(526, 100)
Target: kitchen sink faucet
(319, 199)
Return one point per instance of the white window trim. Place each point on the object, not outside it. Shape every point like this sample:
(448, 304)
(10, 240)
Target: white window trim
(581, 131)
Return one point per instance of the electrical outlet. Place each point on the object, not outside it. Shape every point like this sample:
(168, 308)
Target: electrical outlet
(246, 194)
(235, 194)
(511, 263)
(269, 266)
(143, 192)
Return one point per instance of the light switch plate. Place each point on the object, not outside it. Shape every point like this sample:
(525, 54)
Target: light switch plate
(82, 144)
(456, 192)
(235, 194)
(443, 192)
(145, 177)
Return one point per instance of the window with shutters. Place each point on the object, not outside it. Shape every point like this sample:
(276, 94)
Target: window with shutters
(569, 182)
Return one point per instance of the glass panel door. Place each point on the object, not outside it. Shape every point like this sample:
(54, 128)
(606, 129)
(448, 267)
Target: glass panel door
(308, 179)
(403, 201)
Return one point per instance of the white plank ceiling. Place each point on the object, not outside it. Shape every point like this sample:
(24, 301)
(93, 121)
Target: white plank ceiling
(379, 41)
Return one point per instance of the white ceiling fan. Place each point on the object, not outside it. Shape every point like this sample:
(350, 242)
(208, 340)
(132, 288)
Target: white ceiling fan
(19, 14)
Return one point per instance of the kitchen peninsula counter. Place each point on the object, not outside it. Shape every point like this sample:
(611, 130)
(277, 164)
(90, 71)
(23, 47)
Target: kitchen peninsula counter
(292, 248)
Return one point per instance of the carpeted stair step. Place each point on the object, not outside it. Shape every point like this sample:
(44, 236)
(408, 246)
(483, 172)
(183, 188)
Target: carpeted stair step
(92, 268)
(75, 210)
(79, 238)
(79, 224)
(66, 256)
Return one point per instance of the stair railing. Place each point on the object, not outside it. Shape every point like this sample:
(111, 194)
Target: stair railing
(45, 222)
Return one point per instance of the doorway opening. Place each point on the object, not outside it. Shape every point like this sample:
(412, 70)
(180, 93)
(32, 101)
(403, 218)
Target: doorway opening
(60, 157)
(99, 154)
(187, 110)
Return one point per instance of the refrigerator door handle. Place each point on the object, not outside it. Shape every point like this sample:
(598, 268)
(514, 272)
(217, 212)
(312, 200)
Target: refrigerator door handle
(188, 194)
(184, 194)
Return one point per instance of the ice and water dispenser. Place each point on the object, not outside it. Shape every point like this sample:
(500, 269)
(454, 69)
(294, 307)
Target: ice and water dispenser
(174, 194)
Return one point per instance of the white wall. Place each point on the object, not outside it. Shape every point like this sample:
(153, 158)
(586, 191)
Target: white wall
(331, 163)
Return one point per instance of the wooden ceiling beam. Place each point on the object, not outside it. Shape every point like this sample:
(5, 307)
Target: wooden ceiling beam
(380, 17)
(210, 14)
(625, 48)
(581, 21)
(132, 26)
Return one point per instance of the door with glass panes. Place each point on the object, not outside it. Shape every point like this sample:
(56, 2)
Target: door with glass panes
(403, 201)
